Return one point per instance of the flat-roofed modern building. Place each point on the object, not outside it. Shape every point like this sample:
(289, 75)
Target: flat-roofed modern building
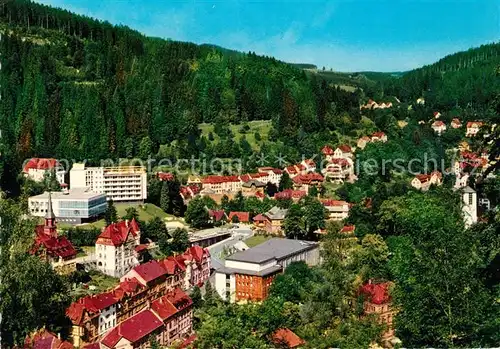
(121, 183)
(248, 275)
(72, 206)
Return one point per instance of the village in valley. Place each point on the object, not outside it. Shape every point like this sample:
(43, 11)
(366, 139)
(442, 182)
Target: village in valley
(164, 194)
(150, 297)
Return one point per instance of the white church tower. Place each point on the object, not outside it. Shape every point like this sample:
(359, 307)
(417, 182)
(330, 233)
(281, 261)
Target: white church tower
(469, 197)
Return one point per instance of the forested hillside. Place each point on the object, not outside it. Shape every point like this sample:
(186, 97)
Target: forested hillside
(468, 78)
(74, 87)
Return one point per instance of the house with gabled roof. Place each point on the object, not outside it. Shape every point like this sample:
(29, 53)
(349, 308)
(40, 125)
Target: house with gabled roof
(241, 217)
(51, 247)
(168, 320)
(455, 123)
(44, 339)
(473, 128)
(379, 137)
(438, 126)
(115, 248)
(337, 210)
(37, 168)
(363, 141)
(424, 181)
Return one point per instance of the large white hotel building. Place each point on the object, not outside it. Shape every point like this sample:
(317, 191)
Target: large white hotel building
(123, 183)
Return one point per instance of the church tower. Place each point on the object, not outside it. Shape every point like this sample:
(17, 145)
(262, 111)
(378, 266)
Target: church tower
(50, 220)
(469, 197)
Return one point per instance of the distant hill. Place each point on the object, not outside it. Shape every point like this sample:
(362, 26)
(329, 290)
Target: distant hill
(468, 78)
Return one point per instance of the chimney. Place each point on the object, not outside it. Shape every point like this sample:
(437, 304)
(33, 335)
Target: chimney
(59, 335)
(369, 281)
(126, 223)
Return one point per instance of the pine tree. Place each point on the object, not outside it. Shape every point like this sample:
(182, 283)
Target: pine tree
(110, 215)
(165, 198)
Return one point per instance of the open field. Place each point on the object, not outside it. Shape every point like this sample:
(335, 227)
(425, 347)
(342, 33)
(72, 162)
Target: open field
(260, 126)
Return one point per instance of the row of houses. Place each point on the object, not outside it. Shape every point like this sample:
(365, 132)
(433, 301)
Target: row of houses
(472, 127)
(152, 292)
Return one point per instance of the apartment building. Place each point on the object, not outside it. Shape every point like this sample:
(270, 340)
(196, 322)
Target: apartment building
(121, 183)
(248, 275)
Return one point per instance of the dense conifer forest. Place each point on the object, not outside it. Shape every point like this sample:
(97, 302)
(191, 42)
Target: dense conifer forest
(76, 88)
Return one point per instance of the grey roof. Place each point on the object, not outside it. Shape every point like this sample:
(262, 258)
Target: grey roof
(275, 248)
(72, 194)
(276, 213)
(265, 272)
(254, 182)
(468, 189)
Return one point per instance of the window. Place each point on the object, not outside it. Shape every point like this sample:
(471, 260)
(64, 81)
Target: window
(470, 198)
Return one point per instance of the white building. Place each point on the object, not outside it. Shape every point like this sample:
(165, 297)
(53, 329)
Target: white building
(273, 174)
(37, 168)
(123, 183)
(115, 248)
(248, 275)
(337, 210)
(469, 197)
(72, 206)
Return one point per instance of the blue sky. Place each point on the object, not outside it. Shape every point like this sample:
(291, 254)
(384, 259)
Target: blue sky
(344, 35)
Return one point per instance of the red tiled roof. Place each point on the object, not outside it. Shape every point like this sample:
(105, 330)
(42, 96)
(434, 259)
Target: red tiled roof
(474, 124)
(308, 178)
(165, 176)
(141, 247)
(345, 148)
(171, 265)
(91, 304)
(56, 246)
(133, 329)
(128, 286)
(339, 161)
(326, 150)
(456, 121)
(378, 134)
(291, 169)
(217, 215)
(277, 171)
(377, 293)
(287, 337)
(245, 178)
(436, 113)
(116, 233)
(163, 308)
(219, 179)
(438, 123)
(330, 202)
(348, 229)
(290, 194)
(242, 216)
(40, 164)
(259, 218)
(150, 271)
(44, 339)
(179, 298)
(197, 252)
